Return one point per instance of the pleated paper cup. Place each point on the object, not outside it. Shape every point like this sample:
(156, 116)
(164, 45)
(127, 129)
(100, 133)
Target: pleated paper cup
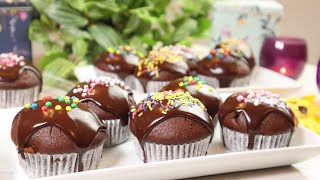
(44, 165)
(159, 152)
(155, 86)
(108, 74)
(134, 84)
(237, 141)
(18, 97)
(116, 133)
(238, 82)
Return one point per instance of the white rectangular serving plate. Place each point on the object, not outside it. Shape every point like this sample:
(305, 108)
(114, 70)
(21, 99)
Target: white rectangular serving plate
(262, 78)
(121, 162)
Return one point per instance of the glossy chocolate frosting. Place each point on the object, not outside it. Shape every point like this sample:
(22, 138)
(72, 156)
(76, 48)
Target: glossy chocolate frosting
(198, 89)
(163, 106)
(121, 60)
(239, 49)
(162, 65)
(255, 107)
(75, 120)
(115, 98)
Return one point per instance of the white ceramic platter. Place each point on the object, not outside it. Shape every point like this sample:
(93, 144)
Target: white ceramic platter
(121, 162)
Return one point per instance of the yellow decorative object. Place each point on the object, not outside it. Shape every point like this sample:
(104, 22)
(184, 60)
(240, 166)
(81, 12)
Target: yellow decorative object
(307, 110)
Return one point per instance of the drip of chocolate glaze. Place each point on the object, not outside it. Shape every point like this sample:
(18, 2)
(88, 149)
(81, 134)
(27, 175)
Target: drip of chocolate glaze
(254, 115)
(11, 74)
(80, 124)
(141, 126)
(209, 99)
(112, 99)
(117, 64)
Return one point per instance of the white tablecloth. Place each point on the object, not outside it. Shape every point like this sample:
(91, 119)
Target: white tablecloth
(305, 170)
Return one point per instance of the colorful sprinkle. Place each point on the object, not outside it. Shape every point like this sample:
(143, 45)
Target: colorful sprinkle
(68, 108)
(48, 104)
(8, 60)
(122, 51)
(60, 98)
(73, 105)
(33, 106)
(27, 105)
(44, 108)
(58, 108)
(166, 100)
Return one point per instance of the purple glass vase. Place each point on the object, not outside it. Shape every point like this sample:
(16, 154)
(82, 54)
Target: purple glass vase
(285, 55)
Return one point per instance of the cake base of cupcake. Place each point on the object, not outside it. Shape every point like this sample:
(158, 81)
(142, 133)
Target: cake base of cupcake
(237, 141)
(159, 152)
(18, 97)
(44, 165)
(116, 133)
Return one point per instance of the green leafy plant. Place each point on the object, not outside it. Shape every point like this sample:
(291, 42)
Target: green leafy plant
(74, 32)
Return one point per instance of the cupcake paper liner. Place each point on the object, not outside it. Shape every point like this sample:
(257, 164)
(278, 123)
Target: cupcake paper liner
(18, 97)
(159, 152)
(108, 74)
(134, 84)
(212, 81)
(116, 133)
(237, 141)
(155, 86)
(44, 165)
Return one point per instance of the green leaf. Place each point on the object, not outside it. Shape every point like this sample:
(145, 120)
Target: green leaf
(63, 14)
(37, 32)
(104, 35)
(71, 34)
(132, 24)
(184, 30)
(101, 10)
(41, 5)
(77, 4)
(59, 68)
(144, 14)
(79, 48)
(48, 58)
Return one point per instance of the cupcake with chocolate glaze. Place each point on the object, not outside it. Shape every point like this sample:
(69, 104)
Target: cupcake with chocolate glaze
(200, 90)
(119, 62)
(170, 125)
(160, 68)
(57, 136)
(256, 120)
(111, 100)
(189, 56)
(229, 64)
(18, 80)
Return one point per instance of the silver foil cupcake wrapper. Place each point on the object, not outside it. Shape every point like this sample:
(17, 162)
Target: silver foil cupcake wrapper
(155, 86)
(18, 97)
(116, 133)
(44, 165)
(134, 84)
(160, 152)
(109, 74)
(237, 141)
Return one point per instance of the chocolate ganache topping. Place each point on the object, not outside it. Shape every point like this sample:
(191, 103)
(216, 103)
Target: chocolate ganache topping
(198, 89)
(226, 62)
(162, 106)
(256, 106)
(77, 121)
(119, 60)
(111, 95)
(12, 66)
(162, 65)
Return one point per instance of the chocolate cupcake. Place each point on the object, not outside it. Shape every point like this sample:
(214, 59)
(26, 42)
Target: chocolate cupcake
(111, 100)
(18, 80)
(189, 56)
(118, 63)
(160, 68)
(230, 64)
(200, 90)
(57, 136)
(256, 120)
(170, 125)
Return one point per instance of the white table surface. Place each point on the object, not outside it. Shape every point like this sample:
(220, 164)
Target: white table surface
(305, 170)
